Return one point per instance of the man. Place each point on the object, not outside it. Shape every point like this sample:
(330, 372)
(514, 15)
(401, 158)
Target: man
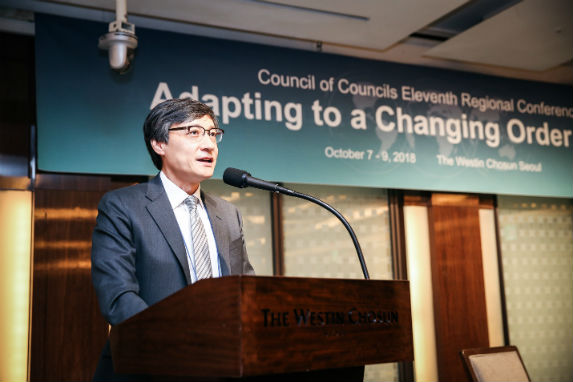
(155, 238)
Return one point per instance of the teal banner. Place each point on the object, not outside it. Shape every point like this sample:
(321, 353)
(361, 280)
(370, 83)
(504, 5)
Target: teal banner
(303, 117)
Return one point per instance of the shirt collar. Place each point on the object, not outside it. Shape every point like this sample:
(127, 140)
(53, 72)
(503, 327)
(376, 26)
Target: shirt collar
(175, 194)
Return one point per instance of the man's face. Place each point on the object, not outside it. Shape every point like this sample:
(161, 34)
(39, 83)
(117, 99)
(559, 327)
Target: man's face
(188, 161)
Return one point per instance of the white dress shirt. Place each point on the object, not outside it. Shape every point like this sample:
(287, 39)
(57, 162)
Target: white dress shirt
(177, 198)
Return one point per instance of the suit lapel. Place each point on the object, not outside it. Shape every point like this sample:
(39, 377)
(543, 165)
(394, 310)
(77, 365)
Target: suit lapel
(219, 231)
(160, 210)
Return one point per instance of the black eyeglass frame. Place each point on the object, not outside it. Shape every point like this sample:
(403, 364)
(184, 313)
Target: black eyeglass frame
(218, 137)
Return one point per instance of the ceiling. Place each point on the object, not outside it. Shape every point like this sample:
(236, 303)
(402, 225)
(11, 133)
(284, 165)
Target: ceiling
(528, 39)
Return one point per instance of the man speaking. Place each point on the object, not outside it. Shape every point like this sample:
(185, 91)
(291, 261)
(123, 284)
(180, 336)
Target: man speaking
(155, 238)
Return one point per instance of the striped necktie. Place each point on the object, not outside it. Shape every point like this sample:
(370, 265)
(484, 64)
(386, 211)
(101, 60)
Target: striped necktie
(200, 246)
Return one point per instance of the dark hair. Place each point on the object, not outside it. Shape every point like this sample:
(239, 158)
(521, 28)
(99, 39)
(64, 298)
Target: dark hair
(167, 113)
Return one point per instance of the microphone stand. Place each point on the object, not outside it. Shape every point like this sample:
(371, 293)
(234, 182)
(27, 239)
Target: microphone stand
(341, 218)
(239, 178)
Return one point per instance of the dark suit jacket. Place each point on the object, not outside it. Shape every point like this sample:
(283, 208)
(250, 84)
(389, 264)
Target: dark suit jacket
(138, 253)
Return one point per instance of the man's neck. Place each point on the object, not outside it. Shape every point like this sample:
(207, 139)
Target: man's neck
(189, 188)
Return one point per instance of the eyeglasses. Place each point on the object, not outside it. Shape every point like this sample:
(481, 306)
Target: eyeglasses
(197, 132)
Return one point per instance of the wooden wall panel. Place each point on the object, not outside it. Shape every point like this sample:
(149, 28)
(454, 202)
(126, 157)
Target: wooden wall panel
(457, 280)
(68, 332)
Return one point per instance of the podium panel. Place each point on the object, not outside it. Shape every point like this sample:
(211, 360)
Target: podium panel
(240, 326)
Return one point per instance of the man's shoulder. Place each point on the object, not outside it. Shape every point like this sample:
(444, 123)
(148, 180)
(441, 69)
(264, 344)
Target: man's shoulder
(134, 194)
(128, 191)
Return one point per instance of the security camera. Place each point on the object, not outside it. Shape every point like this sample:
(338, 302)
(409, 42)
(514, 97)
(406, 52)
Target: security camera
(121, 42)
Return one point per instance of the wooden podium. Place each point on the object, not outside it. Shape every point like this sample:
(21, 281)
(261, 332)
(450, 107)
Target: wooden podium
(245, 326)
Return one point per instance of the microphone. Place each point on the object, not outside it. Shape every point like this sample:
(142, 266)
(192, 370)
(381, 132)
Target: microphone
(239, 178)
(242, 179)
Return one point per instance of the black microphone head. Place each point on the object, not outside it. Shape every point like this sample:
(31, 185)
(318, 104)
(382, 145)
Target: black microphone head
(235, 177)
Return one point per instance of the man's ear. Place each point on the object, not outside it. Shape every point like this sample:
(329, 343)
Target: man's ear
(158, 147)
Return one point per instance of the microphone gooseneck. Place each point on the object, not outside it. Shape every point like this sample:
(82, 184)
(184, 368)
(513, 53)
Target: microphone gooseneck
(239, 178)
